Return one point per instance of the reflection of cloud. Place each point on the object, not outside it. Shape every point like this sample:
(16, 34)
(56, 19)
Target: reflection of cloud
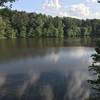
(23, 89)
(2, 81)
(78, 53)
(52, 57)
(33, 78)
(48, 86)
(77, 87)
(46, 92)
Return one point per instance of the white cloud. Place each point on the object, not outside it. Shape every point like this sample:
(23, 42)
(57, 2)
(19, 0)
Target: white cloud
(81, 10)
(63, 13)
(51, 4)
(95, 15)
(77, 11)
(92, 1)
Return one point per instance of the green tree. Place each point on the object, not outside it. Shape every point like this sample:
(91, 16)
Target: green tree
(95, 68)
(2, 27)
(70, 32)
(28, 25)
(51, 31)
(84, 31)
(23, 32)
(30, 33)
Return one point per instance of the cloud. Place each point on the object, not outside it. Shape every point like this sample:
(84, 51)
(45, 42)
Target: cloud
(80, 10)
(92, 1)
(95, 15)
(51, 4)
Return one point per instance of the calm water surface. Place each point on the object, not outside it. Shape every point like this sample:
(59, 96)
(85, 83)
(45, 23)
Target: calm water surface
(45, 69)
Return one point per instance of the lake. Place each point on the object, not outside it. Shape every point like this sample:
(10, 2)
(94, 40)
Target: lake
(45, 69)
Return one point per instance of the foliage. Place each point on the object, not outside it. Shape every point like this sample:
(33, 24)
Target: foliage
(95, 68)
(15, 24)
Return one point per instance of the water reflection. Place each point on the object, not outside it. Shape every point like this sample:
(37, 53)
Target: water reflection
(45, 86)
(45, 73)
(23, 47)
(50, 59)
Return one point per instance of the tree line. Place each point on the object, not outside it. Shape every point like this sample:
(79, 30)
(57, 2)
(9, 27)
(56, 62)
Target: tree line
(14, 24)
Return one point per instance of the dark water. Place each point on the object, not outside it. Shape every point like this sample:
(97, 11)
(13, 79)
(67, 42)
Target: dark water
(45, 69)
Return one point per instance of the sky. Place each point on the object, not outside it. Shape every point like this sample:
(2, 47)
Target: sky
(81, 9)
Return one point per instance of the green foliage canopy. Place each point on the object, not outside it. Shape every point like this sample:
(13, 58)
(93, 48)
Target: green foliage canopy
(15, 24)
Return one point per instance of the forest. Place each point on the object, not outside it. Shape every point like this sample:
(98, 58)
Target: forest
(20, 24)
(15, 24)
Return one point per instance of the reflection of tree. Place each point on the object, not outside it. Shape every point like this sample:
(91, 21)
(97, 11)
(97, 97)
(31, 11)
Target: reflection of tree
(95, 67)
